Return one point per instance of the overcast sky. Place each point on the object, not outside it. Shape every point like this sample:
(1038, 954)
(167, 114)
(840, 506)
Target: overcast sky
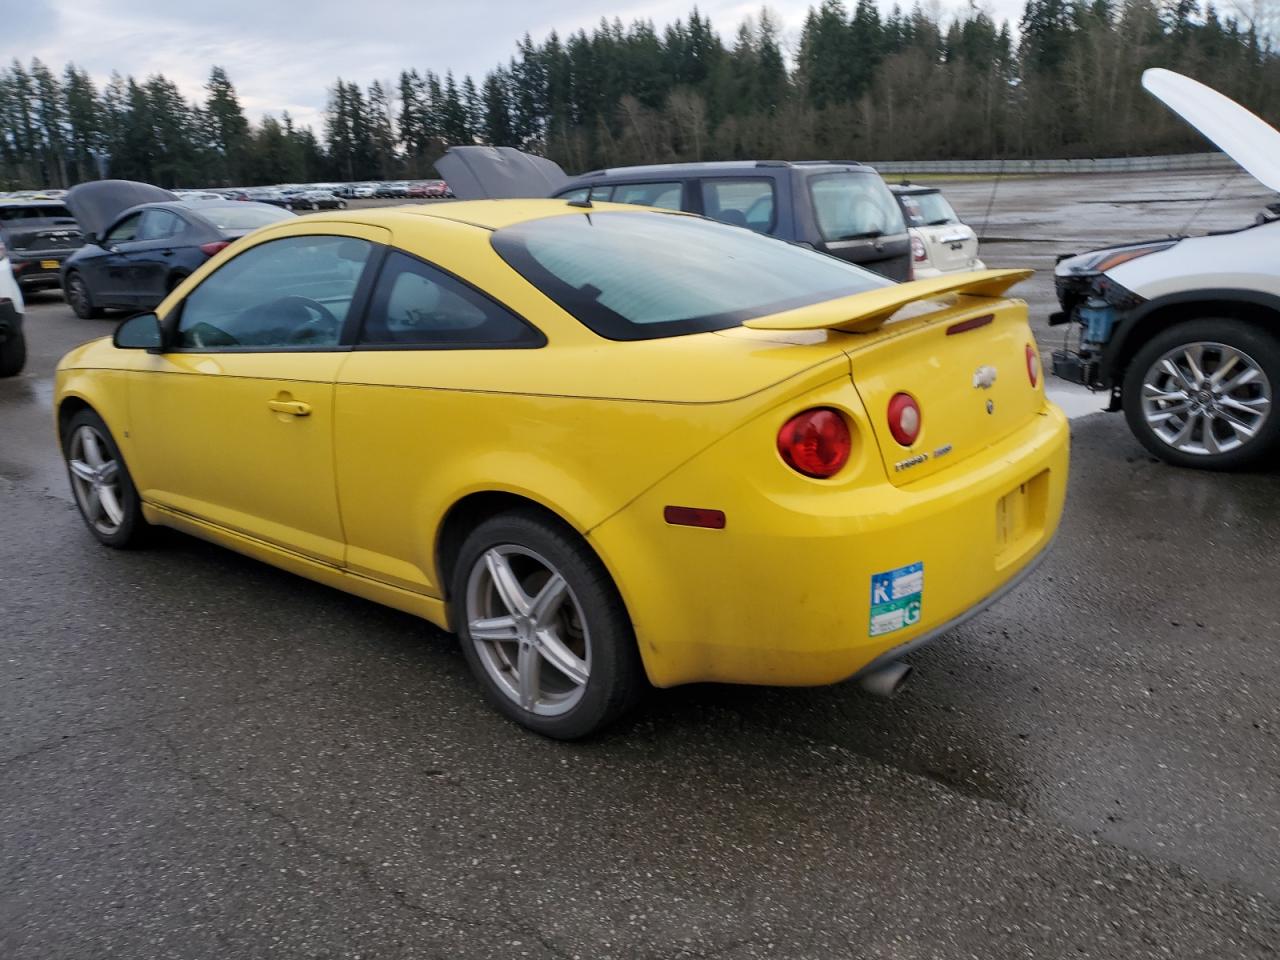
(284, 55)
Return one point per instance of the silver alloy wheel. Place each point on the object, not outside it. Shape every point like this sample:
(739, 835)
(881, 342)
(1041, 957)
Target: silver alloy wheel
(95, 479)
(1206, 398)
(528, 629)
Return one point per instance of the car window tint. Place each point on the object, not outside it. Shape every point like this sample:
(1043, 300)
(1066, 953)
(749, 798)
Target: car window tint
(159, 224)
(601, 193)
(665, 195)
(416, 303)
(741, 202)
(851, 206)
(601, 268)
(935, 211)
(288, 293)
(47, 211)
(126, 229)
(579, 195)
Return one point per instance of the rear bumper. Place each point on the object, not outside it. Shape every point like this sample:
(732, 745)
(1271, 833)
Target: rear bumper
(783, 594)
(38, 270)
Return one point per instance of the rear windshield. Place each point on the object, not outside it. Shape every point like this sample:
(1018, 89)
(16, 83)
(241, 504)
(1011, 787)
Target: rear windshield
(640, 276)
(854, 206)
(46, 211)
(241, 217)
(927, 209)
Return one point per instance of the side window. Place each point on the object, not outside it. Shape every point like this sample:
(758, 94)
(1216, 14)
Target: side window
(665, 195)
(601, 193)
(580, 194)
(125, 230)
(289, 293)
(158, 224)
(414, 303)
(741, 202)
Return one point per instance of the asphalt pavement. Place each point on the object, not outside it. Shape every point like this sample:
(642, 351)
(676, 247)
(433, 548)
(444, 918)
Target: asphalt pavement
(204, 757)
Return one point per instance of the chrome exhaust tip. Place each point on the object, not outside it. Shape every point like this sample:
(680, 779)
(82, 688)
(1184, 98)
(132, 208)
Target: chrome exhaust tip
(887, 680)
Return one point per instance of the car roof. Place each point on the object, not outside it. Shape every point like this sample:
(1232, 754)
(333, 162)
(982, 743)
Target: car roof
(486, 214)
(715, 166)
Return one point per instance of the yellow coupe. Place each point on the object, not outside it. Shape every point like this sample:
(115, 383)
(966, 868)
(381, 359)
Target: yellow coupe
(605, 445)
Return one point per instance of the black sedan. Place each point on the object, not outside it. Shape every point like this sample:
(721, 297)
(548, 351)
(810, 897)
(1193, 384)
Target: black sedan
(140, 242)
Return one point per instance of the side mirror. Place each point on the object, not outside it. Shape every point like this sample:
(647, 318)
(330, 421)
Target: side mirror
(141, 332)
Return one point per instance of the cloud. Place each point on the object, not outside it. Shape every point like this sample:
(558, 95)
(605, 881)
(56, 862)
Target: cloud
(285, 56)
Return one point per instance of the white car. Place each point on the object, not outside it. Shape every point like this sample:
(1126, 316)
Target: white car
(364, 191)
(13, 344)
(1185, 332)
(940, 243)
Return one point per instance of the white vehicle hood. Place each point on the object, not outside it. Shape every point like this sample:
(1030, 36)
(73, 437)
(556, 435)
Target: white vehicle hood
(1243, 136)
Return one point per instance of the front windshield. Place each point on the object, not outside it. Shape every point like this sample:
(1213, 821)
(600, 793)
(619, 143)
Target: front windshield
(644, 275)
(854, 206)
(927, 209)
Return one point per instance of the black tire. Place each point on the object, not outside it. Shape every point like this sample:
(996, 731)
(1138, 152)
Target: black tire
(1256, 345)
(132, 529)
(593, 614)
(77, 294)
(13, 355)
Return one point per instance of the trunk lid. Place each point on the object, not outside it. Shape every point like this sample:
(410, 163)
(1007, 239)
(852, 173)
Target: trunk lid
(964, 361)
(44, 239)
(950, 246)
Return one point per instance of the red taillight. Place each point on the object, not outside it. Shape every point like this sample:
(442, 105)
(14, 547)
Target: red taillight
(1033, 365)
(918, 253)
(815, 443)
(209, 249)
(904, 418)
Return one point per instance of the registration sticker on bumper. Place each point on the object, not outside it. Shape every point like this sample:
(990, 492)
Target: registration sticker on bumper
(895, 599)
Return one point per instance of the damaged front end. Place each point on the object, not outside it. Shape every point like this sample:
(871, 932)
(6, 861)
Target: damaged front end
(1094, 305)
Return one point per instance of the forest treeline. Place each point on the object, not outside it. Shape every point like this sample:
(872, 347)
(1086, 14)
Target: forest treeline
(857, 84)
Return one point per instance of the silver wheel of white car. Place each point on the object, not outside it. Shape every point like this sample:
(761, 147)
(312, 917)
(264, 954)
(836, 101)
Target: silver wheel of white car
(1206, 398)
(1202, 393)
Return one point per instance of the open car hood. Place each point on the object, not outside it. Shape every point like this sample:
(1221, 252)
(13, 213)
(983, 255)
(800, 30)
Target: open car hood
(863, 312)
(499, 173)
(96, 204)
(1243, 136)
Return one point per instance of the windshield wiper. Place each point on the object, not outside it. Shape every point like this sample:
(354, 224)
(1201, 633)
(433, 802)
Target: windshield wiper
(939, 223)
(865, 235)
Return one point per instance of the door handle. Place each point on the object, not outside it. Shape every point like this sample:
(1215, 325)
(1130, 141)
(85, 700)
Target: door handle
(166, 253)
(293, 407)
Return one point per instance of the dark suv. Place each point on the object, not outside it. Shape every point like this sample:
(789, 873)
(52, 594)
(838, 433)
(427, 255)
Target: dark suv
(40, 234)
(837, 206)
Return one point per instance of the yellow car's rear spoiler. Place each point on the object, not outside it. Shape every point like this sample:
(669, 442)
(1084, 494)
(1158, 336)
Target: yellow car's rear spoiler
(862, 312)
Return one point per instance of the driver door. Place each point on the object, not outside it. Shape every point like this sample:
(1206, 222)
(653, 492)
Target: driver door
(234, 425)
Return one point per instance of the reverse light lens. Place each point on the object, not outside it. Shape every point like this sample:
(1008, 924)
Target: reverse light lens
(816, 443)
(918, 253)
(1033, 365)
(904, 418)
(209, 249)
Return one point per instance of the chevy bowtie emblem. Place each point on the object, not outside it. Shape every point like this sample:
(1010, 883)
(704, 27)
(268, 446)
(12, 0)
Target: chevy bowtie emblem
(984, 377)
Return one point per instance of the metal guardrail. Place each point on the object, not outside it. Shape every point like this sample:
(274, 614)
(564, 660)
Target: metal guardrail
(1180, 161)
